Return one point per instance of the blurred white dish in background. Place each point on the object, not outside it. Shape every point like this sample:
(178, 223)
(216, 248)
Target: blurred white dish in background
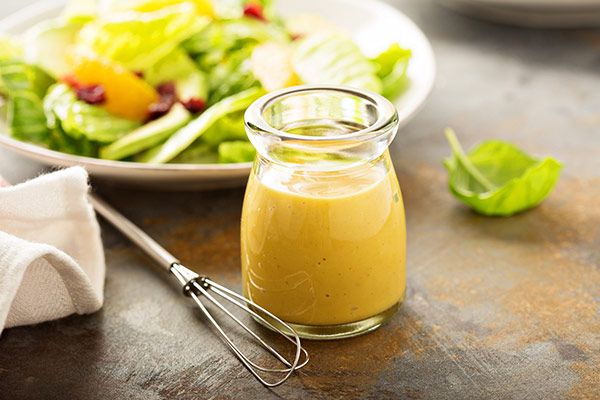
(532, 13)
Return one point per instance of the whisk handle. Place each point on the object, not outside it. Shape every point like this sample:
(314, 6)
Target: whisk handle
(135, 234)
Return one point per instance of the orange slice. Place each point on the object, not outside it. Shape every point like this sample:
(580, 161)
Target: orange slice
(127, 95)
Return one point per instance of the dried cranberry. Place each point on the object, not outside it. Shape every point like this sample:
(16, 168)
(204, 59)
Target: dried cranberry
(166, 89)
(255, 10)
(158, 109)
(194, 105)
(166, 92)
(92, 94)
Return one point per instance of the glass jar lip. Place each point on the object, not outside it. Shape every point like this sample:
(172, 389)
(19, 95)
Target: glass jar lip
(387, 115)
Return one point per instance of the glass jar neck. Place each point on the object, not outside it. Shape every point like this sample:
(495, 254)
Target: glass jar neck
(321, 127)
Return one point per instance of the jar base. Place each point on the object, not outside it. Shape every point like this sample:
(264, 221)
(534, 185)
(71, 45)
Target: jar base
(340, 331)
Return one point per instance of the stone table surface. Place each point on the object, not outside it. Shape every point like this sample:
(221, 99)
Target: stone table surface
(496, 307)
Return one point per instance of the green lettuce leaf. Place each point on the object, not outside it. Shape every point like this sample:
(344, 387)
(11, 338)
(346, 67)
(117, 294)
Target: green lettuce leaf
(139, 40)
(497, 178)
(221, 37)
(45, 44)
(236, 152)
(392, 65)
(58, 140)
(79, 11)
(234, 9)
(231, 76)
(197, 153)
(148, 135)
(224, 48)
(228, 127)
(179, 68)
(9, 49)
(187, 135)
(25, 86)
(25, 116)
(330, 58)
(79, 119)
(16, 76)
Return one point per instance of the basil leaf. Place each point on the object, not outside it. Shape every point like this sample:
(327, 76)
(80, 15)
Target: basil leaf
(497, 178)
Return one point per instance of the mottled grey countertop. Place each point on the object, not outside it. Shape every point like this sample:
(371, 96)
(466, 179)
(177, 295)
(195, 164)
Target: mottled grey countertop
(496, 307)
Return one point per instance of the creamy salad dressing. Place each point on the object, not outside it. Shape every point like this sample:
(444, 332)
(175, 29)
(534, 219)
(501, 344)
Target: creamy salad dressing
(324, 250)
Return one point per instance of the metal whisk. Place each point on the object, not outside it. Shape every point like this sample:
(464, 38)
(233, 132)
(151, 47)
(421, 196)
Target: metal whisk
(198, 287)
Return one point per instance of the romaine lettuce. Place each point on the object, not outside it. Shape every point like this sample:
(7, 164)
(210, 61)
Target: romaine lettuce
(220, 37)
(236, 152)
(228, 127)
(58, 140)
(185, 136)
(79, 119)
(9, 49)
(179, 68)
(148, 135)
(329, 58)
(197, 153)
(24, 86)
(46, 43)
(140, 39)
(224, 48)
(392, 65)
(231, 76)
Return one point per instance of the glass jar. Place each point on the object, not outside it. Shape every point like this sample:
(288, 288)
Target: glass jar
(323, 237)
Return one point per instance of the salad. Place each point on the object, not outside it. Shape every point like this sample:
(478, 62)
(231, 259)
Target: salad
(168, 81)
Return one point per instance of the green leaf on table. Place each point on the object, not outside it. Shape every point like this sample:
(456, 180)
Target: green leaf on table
(330, 58)
(392, 65)
(79, 119)
(140, 39)
(497, 178)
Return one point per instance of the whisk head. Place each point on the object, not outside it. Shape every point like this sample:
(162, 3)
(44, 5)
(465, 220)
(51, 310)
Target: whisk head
(197, 287)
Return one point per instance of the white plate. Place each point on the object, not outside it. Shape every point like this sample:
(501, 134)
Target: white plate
(533, 13)
(373, 25)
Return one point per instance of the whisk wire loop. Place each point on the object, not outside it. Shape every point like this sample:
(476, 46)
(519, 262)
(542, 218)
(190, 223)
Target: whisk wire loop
(197, 286)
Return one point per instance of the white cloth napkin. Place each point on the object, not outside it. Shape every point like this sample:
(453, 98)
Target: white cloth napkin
(51, 256)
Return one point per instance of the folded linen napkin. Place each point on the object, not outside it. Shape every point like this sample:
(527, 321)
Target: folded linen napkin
(51, 256)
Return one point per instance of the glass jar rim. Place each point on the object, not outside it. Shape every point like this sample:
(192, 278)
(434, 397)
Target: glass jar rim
(387, 115)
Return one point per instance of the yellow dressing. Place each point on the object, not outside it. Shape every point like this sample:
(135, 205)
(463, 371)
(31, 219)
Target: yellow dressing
(324, 250)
